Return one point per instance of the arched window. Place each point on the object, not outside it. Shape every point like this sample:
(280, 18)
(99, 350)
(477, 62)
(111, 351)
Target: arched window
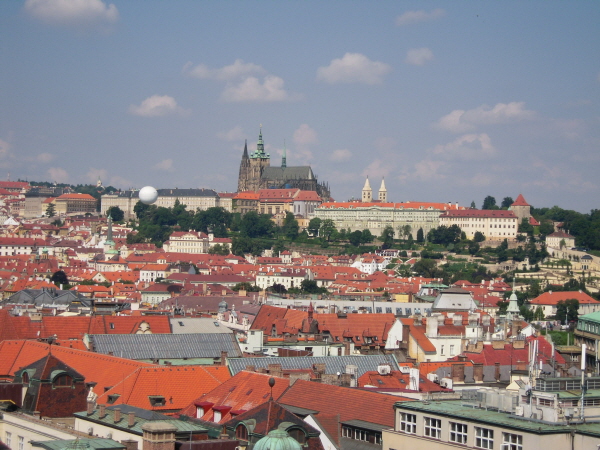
(298, 435)
(241, 432)
(63, 380)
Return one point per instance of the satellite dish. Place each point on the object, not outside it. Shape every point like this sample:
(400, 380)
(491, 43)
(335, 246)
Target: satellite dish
(148, 195)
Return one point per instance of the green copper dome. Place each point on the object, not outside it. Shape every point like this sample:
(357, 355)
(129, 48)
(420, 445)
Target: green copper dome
(278, 440)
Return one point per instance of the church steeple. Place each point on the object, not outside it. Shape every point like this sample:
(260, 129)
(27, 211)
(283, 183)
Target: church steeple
(283, 158)
(245, 154)
(383, 192)
(367, 192)
(260, 147)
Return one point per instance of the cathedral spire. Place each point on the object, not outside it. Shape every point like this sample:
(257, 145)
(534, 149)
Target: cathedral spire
(260, 146)
(283, 158)
(245, 155)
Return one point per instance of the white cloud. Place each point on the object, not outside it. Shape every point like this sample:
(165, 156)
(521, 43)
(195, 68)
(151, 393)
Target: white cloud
(467, 147)
(4, 149)
(353, 68)
(459, 120)
(245, 82)
(305, 135)
(72, 12)
(155, 106)
(427, 170)
(58, 174)
(410, 17)
(45, 157)
(419, 56)
(252, 90)
(165, 165)
(239, 69)
(341, 155)
(235, 134)
(377, 170)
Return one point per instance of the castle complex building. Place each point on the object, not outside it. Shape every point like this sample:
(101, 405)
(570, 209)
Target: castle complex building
(256, 173)
(376, 214)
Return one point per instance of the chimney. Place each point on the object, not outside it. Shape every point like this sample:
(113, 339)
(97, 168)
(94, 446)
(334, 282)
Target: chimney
(223, 358)
(497, 371)
(130, 444)
(102, 411)
(130, 420)
(158, 436)
(117, 415)
(478, 372)
(90, 408)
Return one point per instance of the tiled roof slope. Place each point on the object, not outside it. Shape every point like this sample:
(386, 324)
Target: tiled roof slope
(347, 402)
(242, 392)
(552, 298)
(179, 385)
(104, 370)
(22, 327)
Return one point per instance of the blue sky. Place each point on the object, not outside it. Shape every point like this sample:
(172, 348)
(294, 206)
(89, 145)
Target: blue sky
(449, 101)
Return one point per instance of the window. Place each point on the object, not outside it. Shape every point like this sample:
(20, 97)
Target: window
(298, 435)
(408, 423)
(433, 427)
(241, 432)
(21, 443)
(8, 439)
(458, 433)
(346, 431)
(63, 380)
(484, 438)
(512, 441)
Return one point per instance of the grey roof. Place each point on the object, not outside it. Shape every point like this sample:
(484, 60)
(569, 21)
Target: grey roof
(366, 425)
(191, 325)
(454, 299)
(78, 444)
(333, 364)
(141, 417)
(288, 173)
(166, 346)
(40, 297)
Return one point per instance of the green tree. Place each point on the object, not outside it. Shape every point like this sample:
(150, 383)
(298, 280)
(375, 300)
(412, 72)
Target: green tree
(478, 236)
(546, 228)
(366, 236)
(50, 210)
(473, 248)
(567, 310)
(290, 226)
(420, 235)
(219, 249)
(311, 287)
(506, 202)
(245, 286)
(327, 229)
(314, 226)
(278, 288)
(473, 206)
(115, 213)
(256, 225)
(59, 277)
(404, 231)
(355, 238)
(387, 237)
(427, 268)
(489, 203)
(525, 227)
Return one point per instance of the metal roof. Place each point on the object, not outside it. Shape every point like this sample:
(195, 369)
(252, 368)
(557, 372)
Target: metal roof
(78, 444)
(333, 364)
(166, 346)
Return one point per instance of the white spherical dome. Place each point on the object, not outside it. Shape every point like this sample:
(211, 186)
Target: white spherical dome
(148, 195)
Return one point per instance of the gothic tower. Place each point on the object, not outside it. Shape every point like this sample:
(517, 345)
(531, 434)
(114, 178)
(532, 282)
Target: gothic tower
(383, 192)
(367, 192)
(252, 166)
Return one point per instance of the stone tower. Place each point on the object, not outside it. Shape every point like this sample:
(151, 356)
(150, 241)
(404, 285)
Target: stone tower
(521, 208)
(383, 192)
(367, 192)
(252, 166)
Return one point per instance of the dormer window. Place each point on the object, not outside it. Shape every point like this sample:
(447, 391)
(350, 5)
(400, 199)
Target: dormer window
(156, 400)
(241, 432)
(112, 398)
(63, 380)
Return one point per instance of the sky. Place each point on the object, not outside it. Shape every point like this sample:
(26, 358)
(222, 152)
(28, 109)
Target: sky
(446, 101)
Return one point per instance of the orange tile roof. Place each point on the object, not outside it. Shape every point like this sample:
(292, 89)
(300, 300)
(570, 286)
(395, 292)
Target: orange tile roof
(349, 403)
(552, 298)
(243, 391)
(179, 385)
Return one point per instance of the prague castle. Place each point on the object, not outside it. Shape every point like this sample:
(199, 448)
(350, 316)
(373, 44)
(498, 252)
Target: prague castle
(257, 173)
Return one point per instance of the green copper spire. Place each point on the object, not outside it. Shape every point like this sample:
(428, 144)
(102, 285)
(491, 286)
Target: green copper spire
(283, 158)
